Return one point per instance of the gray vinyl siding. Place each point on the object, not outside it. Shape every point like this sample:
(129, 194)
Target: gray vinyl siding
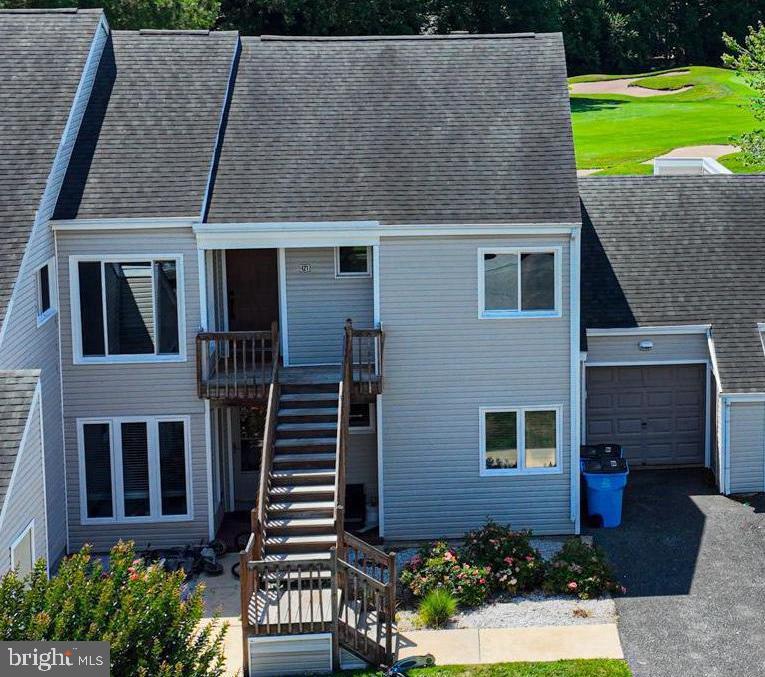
(361, 465)
(23, 502)
(148, 389)
(318, 303)
(666, 347)
(442, 363)
(27, 346)
(747, 447)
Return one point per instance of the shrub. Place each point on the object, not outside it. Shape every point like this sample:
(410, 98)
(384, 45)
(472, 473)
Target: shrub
(436, 608)
(439, 566)
(515, 565)
(146, 613)
(580, 569)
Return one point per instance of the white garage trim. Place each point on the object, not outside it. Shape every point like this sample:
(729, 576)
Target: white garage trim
(661, 363)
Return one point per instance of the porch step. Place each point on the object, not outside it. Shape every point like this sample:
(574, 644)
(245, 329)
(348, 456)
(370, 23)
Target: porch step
(304, 477)
(309, 388)
(289, 557)
(318, 460)
(304, 431)
(296, 526)
(303, 492)
(302, 400)
(305, 444)
(305, 412)
(309, 543)
(304, 508)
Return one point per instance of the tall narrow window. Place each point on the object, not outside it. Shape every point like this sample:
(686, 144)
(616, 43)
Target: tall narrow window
(172, 467)
(516, 283)
(98, 469)
(46, 285)
(129, 308)
(135, 469)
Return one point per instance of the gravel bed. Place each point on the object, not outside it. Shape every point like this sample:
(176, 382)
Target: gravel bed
(528, 610)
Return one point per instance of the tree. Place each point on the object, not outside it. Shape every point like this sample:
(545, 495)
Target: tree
(136, 14)
(494, 16)
(749, 61)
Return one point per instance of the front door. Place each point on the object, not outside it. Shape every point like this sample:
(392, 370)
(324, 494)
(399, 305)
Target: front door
(253, 289)
(247, 448)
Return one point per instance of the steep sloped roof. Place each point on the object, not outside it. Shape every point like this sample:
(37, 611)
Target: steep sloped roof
(147, 141)
(17, 389)
(669, 250)
(42, 54)
(404, 130)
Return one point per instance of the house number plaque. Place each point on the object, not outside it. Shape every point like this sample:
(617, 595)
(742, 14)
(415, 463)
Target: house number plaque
(305, 267)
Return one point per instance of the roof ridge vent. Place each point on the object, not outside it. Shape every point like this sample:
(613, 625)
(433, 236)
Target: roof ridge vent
(43, 10)
(172, 31)
(454, 35)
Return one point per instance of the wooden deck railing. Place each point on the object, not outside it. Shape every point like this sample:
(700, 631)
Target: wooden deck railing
(346, 598)
(266, 462)
(237, 365)
(363, 354)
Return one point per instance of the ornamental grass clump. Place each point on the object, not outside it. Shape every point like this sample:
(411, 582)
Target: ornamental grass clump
(436, 608)
(439, 566)
(515, 565)
(149, 617)
(581, 570)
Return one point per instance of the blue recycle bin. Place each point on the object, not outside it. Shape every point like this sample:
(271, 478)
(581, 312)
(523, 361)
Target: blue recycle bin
(605, 481)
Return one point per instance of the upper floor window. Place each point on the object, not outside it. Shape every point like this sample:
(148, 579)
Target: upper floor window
(352, 262)
(519, 282)
(129, 310)
(45, 281)
(522, 440)
(134, 469)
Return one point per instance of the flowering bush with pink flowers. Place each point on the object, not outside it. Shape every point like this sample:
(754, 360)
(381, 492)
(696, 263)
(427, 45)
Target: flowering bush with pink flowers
(438, 565)
(581, 570)
(516, 566)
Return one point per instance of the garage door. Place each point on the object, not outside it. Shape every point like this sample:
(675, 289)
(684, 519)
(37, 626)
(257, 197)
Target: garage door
(656, 413)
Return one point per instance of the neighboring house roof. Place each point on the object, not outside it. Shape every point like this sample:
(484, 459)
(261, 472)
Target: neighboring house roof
(404, 130)
(17, 390)
(42, 55)
(149, 134)
(670, 250)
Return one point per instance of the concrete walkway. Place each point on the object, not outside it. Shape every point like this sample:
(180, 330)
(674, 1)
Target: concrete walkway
(505, 645)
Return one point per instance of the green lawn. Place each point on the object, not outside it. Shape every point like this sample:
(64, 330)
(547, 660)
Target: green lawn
(616, 133)
(581, 668)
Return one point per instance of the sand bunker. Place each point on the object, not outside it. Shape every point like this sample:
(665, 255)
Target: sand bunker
(714, 150)
(622, 86)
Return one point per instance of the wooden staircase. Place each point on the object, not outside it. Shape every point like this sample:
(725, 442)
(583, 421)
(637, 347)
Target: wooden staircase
(300, 503)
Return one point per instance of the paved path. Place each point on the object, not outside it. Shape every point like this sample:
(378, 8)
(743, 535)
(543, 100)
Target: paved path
(694, 565)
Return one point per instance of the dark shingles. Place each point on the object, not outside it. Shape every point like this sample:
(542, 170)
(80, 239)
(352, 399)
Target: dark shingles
(42, 54)
(17, 389)
(680, 250)
(148, 137)
(463, 129)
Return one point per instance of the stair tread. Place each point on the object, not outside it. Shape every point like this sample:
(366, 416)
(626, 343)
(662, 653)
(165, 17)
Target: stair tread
(286, 557)
(299, 522)
(296, 397)
(297, 427)
(299, 506)
(303, 474)
(289, 458)
(305, 442)
(288, 490)
(300, 540)
(309, 411)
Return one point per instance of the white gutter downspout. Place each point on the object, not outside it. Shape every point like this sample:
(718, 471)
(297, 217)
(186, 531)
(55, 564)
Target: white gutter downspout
(575, 375)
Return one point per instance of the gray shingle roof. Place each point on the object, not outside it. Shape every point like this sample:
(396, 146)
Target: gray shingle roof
(429, 129)
(17, 389)
(42, 54)
(680, 250)
(149, 134)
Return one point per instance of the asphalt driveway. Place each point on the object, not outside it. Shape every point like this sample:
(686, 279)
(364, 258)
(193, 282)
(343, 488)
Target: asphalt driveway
(693, 563)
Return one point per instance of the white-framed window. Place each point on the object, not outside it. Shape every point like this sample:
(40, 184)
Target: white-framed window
(362, 418)
(353, 262)
(521, 440)
(127, 309)
(134, 469)
(519, 282)
(23, 551)
(47, 296)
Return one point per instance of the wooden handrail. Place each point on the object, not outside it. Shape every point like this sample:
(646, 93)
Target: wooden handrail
(363, 354)
(266, 461)
(237, 365)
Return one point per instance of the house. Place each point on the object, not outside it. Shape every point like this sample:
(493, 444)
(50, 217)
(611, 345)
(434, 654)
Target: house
(347, 285)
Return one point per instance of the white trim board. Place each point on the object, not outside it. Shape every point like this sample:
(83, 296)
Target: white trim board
(139, 223)
(659, 329)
